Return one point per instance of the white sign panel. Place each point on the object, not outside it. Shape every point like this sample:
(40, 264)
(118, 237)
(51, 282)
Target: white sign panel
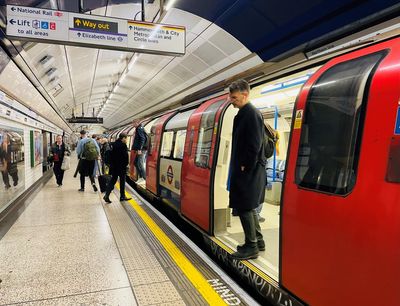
(94, 31)
(37, 23)
(156, 37)
(97, 30)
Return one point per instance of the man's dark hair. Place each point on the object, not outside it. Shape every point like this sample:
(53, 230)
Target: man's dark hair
(239, 85)
(122, 136)
(83, 132)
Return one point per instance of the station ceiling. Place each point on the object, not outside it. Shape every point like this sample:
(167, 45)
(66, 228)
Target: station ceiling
(224, 38)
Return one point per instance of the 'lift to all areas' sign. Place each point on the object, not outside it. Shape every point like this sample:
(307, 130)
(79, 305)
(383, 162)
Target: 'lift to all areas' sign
(43, 25)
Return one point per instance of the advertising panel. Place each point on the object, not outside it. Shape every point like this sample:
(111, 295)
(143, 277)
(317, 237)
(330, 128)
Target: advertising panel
(12, 165)
(36, 148)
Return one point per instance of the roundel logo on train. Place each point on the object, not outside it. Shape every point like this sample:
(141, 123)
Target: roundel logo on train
(170, 174)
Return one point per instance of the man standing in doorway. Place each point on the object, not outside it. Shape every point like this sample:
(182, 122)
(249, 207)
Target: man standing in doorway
(119, 160)
(247, 180)
(139, 146)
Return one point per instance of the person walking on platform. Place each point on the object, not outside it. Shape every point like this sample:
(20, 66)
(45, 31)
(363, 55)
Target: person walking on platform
(139, 146)
(57, 152)
(247, 173)
(88, 152)
(119, 160)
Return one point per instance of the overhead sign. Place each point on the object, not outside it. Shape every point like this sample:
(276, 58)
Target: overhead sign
(36, 23)
(156, 37)
(97, 30)
(94, 31)
(90, 120)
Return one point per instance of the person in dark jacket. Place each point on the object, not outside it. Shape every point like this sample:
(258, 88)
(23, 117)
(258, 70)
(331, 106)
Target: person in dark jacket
(139, 146)
(247, 173)
(86, 164)
(57, 152)
(119, 160)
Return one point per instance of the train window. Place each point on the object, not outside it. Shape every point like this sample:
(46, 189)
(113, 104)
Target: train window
(152, 139)
(333, 121)
(179, 144)
(167, 144)
(203, 150)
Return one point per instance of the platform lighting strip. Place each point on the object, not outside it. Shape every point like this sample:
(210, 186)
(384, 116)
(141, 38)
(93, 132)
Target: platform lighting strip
(121, 79)
(190, 271)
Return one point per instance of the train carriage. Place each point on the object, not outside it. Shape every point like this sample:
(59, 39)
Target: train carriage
(332, 228)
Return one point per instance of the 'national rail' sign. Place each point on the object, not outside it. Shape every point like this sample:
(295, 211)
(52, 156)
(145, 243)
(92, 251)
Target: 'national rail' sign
(43, 25)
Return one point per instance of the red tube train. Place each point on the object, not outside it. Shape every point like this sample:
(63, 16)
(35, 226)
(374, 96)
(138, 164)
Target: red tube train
(332, 205)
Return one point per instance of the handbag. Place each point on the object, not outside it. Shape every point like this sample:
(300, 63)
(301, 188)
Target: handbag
(66, 163)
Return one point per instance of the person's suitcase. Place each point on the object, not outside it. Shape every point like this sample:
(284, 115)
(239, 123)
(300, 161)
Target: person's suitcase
(104, 179)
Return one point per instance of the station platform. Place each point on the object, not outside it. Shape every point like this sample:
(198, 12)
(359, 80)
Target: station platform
(70, 248)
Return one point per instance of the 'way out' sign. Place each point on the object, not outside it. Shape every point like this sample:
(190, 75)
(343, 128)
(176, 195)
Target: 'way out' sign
(42, 25)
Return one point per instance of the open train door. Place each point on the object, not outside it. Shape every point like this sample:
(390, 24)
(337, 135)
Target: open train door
(198, 157)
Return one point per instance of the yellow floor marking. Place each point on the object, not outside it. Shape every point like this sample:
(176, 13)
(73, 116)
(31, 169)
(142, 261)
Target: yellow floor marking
(194, 275)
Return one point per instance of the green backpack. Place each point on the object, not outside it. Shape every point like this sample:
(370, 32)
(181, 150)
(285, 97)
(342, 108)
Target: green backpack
(90, 151)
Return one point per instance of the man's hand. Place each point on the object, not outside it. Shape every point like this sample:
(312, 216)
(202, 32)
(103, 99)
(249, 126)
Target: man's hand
(139, 152)
(242, 168)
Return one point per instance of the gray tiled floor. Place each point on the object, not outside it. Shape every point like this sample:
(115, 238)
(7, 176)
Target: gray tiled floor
(61, 251)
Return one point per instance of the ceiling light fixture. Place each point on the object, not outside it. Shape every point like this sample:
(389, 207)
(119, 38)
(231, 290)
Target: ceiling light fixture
(169, 4)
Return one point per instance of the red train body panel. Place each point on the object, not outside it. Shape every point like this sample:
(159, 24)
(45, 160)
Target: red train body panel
(345, 250)
(196, 180)
(154, 153)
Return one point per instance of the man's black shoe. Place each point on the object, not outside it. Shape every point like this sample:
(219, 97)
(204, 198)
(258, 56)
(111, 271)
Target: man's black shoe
(81, 189)
(246, 253)
(125, 199)
(260, 245)
(106, 199)
(94, 188)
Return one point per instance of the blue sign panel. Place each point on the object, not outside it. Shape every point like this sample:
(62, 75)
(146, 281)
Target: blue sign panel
(397, 128)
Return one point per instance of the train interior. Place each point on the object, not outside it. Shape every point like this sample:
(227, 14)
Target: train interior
(276, 101)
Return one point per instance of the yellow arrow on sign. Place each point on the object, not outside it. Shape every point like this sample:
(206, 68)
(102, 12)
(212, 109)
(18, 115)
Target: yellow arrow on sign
(78, 22)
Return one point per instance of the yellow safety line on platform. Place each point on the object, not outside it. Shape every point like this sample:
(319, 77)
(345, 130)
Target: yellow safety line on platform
(191, 272)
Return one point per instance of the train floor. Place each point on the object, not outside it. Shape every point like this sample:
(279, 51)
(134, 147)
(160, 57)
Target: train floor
(267, 260)
(70, 248)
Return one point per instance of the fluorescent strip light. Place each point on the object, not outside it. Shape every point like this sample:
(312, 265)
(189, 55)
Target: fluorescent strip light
(169, 4)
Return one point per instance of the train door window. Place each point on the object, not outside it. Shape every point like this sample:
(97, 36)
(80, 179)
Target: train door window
(331, 133)
(206, 133)
(152, 136)
(149, 128)
(179, 144)
(167, 143)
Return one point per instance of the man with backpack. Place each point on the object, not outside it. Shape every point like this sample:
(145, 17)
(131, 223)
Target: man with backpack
(140, 146)
(247, 169)
(88, 152)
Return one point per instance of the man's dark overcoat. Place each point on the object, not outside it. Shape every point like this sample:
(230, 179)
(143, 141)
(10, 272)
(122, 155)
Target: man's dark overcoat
(247, 188)
(119, 158)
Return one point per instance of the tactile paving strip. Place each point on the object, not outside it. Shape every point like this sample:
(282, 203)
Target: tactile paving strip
(183, 285)
(150, 282)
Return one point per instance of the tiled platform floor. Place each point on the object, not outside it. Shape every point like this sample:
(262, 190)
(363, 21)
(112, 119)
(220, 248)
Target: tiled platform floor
(61, 251)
